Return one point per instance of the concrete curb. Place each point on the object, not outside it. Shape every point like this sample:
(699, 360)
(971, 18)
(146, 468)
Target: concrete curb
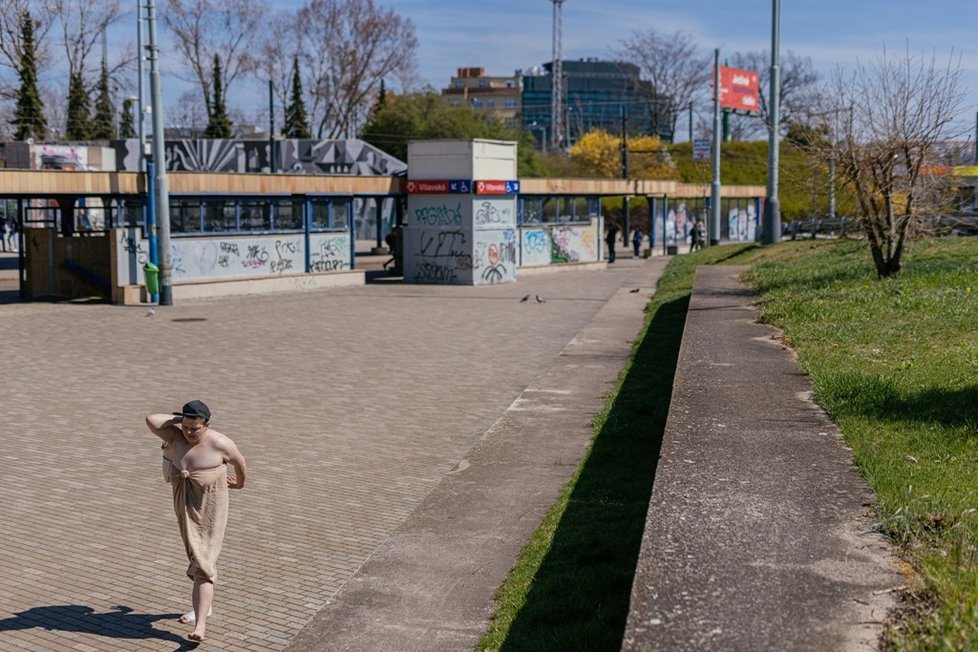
(758, 535)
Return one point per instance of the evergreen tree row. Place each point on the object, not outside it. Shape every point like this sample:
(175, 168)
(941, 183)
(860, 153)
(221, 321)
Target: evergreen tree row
(81, 124)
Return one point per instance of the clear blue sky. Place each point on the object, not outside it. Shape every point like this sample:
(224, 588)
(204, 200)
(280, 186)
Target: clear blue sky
(504, 35)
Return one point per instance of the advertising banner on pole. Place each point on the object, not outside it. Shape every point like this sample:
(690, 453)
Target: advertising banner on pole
(739, 89)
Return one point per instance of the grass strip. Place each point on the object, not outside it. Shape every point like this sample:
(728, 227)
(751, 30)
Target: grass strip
(895, 364)
(571, 584)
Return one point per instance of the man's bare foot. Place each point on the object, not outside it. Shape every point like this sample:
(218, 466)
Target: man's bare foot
(196, 635)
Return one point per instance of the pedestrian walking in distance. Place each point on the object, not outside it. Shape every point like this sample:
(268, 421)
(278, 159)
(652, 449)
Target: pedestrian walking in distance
(195, 459)
(610, 237)
(637, 238)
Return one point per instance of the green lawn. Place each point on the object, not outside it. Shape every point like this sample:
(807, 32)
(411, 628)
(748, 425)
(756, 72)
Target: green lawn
(895, 363)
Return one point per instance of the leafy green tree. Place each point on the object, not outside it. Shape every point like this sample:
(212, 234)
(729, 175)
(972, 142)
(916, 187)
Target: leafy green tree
(127, 127)
(296, 118)
(428, 115)
(29, 114)
(219, 124)
(79, 124)
(103, 124)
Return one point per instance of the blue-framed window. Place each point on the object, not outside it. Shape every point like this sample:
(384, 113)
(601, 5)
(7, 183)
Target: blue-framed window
(287, 215)
(557, 209)
(330, 214)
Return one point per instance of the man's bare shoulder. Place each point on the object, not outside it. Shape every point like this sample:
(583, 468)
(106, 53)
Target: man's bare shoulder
(221, 442)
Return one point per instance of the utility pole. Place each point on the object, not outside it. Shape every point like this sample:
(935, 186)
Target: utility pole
(715, 185)
(557, 82)
(142, 93)
(690, 124)
(159, 160)
(271, 128)
(626, 200)
(772, 207)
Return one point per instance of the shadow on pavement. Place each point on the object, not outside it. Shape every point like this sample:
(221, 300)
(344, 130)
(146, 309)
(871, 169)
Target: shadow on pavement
(121, 623)
(581, 593)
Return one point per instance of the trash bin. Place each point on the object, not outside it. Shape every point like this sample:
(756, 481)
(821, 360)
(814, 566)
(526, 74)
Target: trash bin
(152, 274)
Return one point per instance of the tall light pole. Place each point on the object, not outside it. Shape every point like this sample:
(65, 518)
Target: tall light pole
(141, 126)
(772, 207)
(557, 82)
(715, 185)
(162, 197)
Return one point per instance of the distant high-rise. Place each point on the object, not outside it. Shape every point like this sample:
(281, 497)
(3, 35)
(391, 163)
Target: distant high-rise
(595, 93)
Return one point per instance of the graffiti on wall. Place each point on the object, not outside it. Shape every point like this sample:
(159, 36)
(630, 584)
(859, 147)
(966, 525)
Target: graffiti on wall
(494, 213)
(438, 256)
(494, 256)
(329, 252)
(573, 244)
(198, 259)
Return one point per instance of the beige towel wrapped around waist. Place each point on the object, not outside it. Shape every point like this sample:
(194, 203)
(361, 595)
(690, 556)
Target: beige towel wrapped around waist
(200, 501)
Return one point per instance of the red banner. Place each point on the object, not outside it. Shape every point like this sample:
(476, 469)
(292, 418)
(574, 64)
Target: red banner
(739, 89)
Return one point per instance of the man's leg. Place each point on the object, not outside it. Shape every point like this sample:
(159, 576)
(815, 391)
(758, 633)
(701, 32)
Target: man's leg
(203, 597)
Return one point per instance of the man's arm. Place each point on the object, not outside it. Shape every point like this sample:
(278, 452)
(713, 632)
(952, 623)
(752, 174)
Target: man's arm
(164, 426)
(234, 456)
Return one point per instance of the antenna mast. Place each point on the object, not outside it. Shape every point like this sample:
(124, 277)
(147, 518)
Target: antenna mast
(557, 83)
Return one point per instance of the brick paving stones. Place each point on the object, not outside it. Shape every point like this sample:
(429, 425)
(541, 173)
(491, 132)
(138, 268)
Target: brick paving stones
(350, 405)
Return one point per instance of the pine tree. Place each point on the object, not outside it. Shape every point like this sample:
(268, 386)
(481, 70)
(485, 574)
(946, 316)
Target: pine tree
(79, 125)
(218, 125)
(127, 127)
(296, 119)
(103, 124)
(381, 96)
(29, 114)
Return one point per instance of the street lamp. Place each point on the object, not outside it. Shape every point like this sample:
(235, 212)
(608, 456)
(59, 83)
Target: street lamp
(772, 207)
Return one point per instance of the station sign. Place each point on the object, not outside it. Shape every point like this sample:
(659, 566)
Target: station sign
(438, 186)
(497, 187)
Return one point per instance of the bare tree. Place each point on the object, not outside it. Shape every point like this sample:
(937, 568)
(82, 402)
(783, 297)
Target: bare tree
(884, 124)
(673, 69)
(228, 28)
(283, 40)
(357, 44)
(11, 41)
(82, 23)
(798, 92)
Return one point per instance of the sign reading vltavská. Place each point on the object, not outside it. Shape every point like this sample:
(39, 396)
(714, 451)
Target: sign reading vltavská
(497, 187)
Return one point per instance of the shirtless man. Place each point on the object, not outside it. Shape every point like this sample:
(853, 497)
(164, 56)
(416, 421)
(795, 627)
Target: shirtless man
(194, 459)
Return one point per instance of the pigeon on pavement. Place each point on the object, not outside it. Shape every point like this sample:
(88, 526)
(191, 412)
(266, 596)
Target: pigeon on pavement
(525, 298)
(539, 300)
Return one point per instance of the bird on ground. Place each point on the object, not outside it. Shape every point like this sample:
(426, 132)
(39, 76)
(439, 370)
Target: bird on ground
(539, 300)
(525, 298)
(635, 290)
(150, 312)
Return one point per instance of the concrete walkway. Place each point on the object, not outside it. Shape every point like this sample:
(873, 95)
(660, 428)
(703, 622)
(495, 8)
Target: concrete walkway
(381, 424)
(758, 531)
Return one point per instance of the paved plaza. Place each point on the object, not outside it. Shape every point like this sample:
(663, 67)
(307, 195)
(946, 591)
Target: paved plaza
(351, 406)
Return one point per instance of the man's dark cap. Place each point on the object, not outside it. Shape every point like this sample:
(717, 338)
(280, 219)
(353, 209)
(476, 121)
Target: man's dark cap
(195, 409)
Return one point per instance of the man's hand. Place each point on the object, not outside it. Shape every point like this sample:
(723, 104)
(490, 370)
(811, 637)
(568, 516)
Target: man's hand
(233, 483)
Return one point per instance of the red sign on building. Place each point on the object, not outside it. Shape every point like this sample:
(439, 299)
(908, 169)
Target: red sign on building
(491, 187)
(739, 89)
(416, 187)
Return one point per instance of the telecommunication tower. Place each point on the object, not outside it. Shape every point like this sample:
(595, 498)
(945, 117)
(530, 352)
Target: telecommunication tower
(557, 84)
